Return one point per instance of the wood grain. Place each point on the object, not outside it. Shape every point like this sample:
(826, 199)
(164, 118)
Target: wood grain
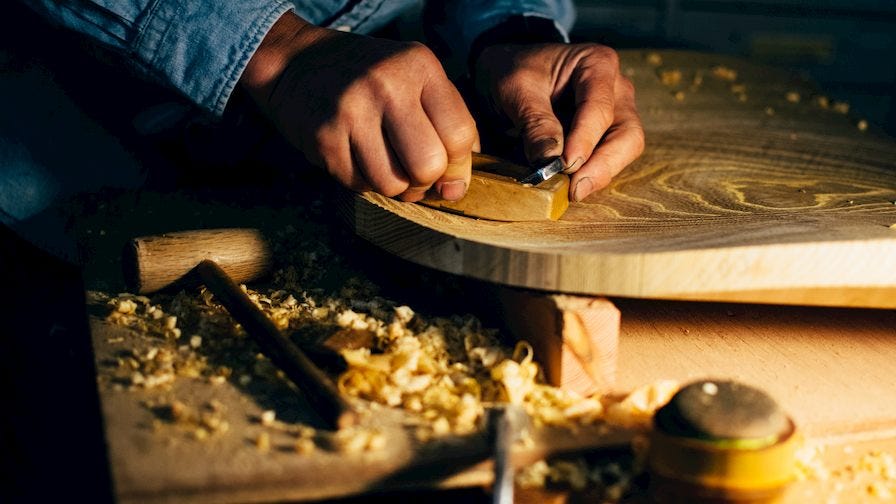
(729, 202)
(831, 369)
(155, 262)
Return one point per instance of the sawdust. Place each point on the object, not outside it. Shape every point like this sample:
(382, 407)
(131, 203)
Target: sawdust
(443, 372)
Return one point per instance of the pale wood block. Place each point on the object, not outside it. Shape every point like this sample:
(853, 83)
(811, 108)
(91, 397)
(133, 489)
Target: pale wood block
(495, 194)
(575, 338)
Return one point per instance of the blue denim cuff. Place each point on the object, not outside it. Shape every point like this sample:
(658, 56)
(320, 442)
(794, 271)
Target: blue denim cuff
(202, 47)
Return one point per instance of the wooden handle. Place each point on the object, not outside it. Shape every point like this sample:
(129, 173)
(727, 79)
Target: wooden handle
(320, 390)
(152, 263)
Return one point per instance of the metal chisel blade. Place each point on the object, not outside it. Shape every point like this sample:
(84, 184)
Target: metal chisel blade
(547, 171)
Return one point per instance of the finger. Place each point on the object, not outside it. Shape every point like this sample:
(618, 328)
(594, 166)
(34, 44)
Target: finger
(594, 84)
(374, 160)
(621, 145)
(417, 147)
(457, 131)
(333, 153)
(529, 108)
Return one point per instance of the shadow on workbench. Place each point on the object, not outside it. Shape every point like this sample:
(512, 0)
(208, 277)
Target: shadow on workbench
(51, 436)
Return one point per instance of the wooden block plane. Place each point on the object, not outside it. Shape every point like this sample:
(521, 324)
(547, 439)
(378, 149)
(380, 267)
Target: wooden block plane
(496, 194)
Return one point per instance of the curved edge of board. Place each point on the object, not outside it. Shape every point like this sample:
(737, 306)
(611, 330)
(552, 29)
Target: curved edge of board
(865, 269)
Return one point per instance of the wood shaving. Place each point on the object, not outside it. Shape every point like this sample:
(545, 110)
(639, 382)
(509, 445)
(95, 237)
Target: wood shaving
(263, 441)
(637, 409)
(267, 417)
(358, 440)
(599, 480)
(197, 422)
(724, 73)
(443, 372)
(670, 78)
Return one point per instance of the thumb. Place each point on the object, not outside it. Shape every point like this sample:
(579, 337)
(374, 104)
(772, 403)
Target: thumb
(541, 131)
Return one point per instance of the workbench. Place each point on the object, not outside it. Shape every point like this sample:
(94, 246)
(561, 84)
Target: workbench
(831, 369)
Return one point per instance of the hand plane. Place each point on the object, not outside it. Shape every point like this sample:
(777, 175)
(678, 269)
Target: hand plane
(504, 191)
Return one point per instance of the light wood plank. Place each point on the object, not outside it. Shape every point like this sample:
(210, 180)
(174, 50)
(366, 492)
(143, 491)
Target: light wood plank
(831, 369)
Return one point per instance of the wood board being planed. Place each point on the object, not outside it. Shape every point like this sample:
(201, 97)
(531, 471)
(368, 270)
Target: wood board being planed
(743, 194)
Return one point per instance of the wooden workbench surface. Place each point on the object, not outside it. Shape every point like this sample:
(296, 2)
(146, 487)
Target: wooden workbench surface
(831, 370)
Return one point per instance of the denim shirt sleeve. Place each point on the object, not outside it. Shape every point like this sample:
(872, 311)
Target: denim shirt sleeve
(199, 47)
(464, 20)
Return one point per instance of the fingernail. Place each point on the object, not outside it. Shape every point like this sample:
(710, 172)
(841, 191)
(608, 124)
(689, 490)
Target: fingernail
(574, 166)
(583, 189)
(453, 190)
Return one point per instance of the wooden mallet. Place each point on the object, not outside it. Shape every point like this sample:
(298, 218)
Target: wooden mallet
(222, 258)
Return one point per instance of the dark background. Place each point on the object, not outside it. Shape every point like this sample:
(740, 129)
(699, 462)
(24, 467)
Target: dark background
(848, 47)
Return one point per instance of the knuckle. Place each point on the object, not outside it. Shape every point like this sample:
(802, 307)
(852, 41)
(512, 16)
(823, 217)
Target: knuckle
(601, 108)
(391, 188)
(419, 52)
(429, 167)
(536, 121)
(639, 138)
(627, 87)
(461, 137)
(326, 141)
(608, 54)
(348, 103)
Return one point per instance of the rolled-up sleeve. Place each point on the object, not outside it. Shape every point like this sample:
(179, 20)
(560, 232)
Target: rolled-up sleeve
(198, 47)
(464, 20)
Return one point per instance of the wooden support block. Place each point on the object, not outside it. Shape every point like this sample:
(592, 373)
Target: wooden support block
(575, 338)
(495, 194)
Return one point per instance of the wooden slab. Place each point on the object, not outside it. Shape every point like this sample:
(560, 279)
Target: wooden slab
(832, 369)
(741, 195)
(575, 338)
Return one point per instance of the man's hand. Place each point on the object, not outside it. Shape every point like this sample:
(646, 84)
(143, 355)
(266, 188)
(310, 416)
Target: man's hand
(377, 114)
(605, 133)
